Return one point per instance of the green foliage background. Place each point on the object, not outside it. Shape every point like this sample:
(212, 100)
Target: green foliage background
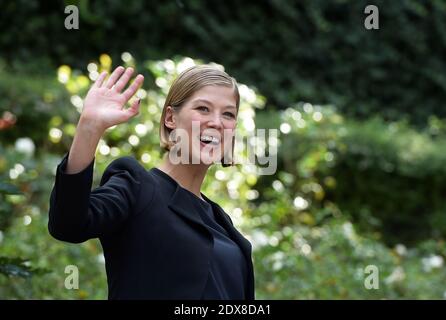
(360, 174)
(325, 53)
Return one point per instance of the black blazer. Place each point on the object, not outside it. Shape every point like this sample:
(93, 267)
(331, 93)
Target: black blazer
(155, 245)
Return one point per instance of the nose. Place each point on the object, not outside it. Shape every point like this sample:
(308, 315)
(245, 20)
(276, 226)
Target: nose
(215, 122)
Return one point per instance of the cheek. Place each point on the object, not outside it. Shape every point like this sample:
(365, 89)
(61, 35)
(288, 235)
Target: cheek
(195, 119)
(230, 124)
(195, 116)
(192, 125)
(231, 128)
(187, 122)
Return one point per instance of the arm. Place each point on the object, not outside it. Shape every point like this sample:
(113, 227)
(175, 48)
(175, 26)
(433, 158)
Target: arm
(77, 214)
(103, 108)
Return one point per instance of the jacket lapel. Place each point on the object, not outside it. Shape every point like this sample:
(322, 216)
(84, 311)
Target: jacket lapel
(227, 224)
(244, 244)
(181, 204)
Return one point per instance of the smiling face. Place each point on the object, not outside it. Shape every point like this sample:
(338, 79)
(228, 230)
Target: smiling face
(207, 121)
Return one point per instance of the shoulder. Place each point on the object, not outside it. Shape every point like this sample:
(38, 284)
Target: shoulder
(222, 211)
(127, 165)
(125, 162)
(129, 177)
(229, 217)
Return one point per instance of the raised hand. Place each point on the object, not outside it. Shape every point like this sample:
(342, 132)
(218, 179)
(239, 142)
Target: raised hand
(105, 101)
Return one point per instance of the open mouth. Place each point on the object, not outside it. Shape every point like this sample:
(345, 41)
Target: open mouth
(209, 140)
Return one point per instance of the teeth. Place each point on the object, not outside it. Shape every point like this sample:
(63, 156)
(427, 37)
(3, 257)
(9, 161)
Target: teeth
(213, 140)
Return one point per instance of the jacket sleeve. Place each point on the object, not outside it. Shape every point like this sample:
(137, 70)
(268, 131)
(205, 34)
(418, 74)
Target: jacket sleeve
(77, 214)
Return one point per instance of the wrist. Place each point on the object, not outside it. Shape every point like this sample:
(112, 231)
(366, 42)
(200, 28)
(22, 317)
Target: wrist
(91, 126)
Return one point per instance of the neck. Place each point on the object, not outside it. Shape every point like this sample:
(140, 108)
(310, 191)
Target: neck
(188, 176)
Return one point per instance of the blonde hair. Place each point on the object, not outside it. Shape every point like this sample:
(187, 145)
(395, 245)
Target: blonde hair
(184, 86)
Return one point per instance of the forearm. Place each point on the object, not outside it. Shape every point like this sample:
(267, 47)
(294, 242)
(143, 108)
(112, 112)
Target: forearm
(77, 214)
(69, 203)
(83, 148)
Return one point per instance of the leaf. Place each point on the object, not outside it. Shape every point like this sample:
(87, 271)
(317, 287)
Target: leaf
(18, 267)
(6, 188)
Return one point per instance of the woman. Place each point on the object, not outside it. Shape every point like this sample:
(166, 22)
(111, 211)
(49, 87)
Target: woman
(162, 238)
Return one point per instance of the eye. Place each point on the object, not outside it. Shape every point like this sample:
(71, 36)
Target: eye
(230, 114)
(202, 107)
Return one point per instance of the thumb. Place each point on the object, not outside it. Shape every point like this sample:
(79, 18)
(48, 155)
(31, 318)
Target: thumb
(134, 109)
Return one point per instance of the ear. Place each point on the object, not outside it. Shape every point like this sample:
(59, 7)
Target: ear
(170, 118)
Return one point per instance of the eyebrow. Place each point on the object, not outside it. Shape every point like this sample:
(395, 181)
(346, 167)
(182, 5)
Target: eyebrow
(208, 102)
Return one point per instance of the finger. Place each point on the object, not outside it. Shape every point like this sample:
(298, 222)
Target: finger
(122, 82)
(114, 76)
(134, 109)
(100, 79)
(133, 87)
